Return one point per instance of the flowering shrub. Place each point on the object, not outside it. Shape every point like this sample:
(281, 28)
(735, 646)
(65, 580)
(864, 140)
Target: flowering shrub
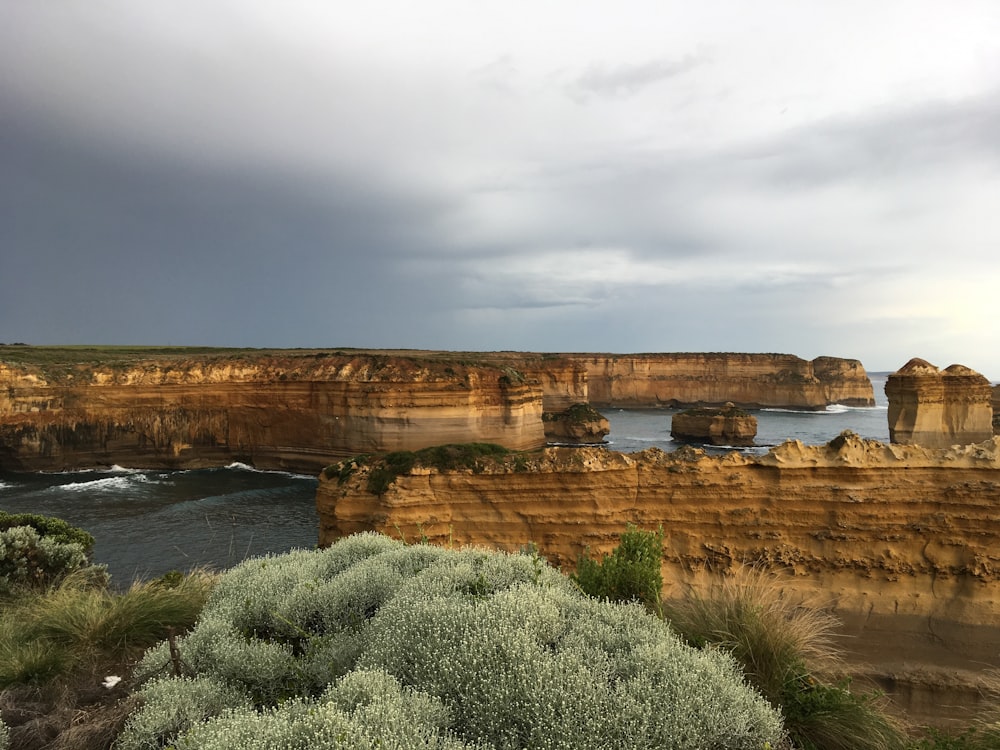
(375, 643)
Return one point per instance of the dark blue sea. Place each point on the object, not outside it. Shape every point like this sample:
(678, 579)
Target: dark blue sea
(149, 522)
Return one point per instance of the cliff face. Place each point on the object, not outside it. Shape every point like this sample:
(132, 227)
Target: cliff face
(725, 426)
(996, 410)
(936, 408)
(748, 380)
(301, 410)
(291, 412)
(903, 542)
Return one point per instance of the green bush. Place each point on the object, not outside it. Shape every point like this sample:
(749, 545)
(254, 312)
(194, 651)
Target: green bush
(55, 528)
(632, 572)
(441, 457)
(375, 643)
(32, 562)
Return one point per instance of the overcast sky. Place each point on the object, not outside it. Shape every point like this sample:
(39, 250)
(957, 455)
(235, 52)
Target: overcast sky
(816, 178)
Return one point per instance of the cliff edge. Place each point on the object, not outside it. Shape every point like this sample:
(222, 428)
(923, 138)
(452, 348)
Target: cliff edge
(901, 541)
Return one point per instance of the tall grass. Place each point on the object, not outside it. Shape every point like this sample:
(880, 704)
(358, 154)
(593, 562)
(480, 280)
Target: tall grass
(79, 627)
(788, 652)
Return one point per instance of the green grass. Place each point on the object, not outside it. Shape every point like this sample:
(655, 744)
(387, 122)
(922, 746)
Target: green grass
(787, 651)
(78, 627)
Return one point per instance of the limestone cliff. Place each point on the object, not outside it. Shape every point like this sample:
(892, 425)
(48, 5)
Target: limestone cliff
(996, 409)
(580, 423)
(936, 408)
(287, 410)
(903, 542)
(748, 380)
(725, 426)
(295, 409)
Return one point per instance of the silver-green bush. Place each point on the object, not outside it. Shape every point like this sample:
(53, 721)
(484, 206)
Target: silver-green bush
(30, 560)
(452, 649)
(4, 736)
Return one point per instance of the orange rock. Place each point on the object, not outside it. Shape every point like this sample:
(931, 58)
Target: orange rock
(937, 408)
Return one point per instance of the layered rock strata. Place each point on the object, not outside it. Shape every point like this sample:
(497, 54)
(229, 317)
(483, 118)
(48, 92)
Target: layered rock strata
(996, 410)
(580, 423)
(725, 426)
(296, 412)
(902, 542)
(748, 380)
(938, 408)
(299, 410)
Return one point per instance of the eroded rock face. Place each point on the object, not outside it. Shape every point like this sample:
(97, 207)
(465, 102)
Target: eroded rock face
(902, 542)
(725, 426)
(748, 380)
(936, 408)
(580, 423)
(288, 412)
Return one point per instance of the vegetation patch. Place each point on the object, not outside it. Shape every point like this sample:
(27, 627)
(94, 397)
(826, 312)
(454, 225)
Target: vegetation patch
(414, 646)
(632, 572)
(384, 469)
(576, 414)
(787, 652)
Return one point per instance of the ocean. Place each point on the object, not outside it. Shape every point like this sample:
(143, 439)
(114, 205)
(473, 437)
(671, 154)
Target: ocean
(146, 523)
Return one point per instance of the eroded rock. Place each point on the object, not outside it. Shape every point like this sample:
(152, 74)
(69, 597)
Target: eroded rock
(725, 426)
(938, 408)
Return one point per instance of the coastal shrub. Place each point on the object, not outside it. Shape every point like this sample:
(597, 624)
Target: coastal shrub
(31, 561)
(366, 710)
(47, 526)
(631, 572)
(372, 642)
(173, 705)
(4, 736)
(786, 649)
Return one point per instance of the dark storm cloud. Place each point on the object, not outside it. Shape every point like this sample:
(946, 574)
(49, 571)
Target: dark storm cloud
(117, 246)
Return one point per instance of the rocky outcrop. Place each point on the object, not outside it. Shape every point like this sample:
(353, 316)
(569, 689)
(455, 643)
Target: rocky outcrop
(996, 410)
(748, 380)
(300, 409)
(288, 411)
(936, 408)
(581, 423)
(900, 541)
(725, 426)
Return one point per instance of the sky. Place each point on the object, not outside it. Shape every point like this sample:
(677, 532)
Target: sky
(795, 176)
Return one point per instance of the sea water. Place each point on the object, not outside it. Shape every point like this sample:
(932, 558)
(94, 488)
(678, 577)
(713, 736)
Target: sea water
(146, 523)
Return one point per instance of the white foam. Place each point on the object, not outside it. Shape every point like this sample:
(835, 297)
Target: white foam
(117, 483)
(120, 482)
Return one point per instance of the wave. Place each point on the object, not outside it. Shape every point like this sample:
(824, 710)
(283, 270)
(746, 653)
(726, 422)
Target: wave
(637, 439)
(239, 466)
(118, 482)
(830, 409)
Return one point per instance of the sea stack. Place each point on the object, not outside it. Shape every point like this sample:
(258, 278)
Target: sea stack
(725, 426)
(938, 408)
